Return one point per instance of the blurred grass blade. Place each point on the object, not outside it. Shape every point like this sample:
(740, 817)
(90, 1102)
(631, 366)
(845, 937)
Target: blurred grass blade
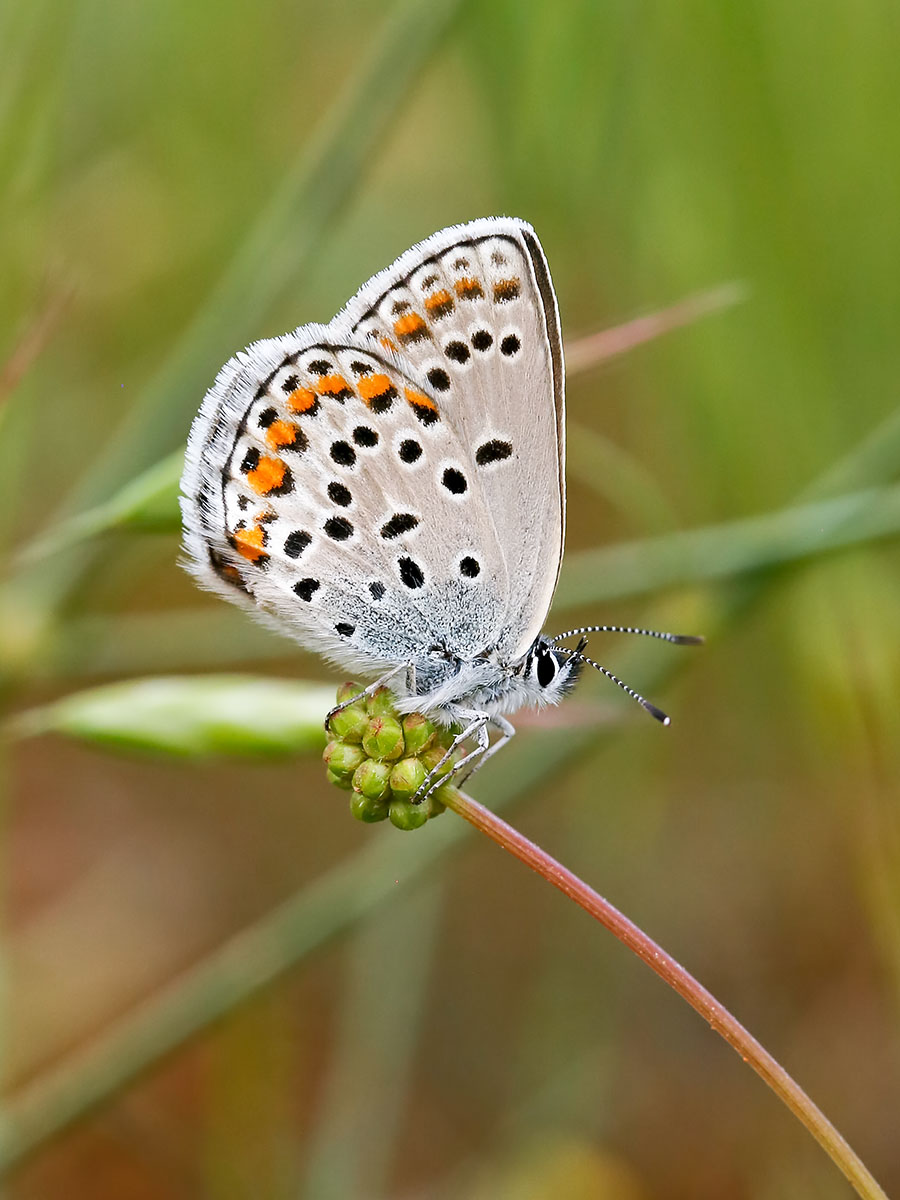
(598, 463)
(732, 549)
(149, 502)
(875, 459)
(257, 957)
(214, 637)
(192, 717)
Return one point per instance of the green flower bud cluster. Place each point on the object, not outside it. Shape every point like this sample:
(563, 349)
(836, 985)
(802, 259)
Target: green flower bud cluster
(383, 758)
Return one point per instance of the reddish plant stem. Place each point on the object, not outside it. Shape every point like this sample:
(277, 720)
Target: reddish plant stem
(719, 1018)
(587, 352)
(32, 342)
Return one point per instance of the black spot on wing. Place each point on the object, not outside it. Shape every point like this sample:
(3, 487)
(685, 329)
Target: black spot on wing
(411, 574)
(296, 542)
(454, 481)
(343, 453)
(493, 451)
(338, 494)
(439, 379)
(399, 524)
(338, 528)
(305, 588)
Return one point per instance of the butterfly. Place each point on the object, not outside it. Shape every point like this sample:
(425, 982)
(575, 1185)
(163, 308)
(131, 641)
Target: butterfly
(389, 489)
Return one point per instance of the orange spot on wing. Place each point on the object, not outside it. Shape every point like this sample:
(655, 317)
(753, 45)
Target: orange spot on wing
(301, 400)
(250, 543)
(468, 289)
(439, 303)
(267, 475)
(506, 289)
(387, 343)
(281, 433)
(409, 325)
(420, 400)
(372, 386)
(332, 385)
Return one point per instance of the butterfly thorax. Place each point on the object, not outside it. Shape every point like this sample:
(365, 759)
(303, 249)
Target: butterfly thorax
(448, 686)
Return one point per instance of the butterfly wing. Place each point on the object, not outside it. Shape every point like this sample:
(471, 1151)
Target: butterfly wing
(375, 515)
(324, 488)
(473, 309)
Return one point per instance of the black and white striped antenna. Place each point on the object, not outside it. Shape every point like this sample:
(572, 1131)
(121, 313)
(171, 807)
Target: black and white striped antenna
(678, 639)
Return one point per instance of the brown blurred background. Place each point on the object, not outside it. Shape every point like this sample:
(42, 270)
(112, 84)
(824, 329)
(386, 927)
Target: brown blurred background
(178, 180)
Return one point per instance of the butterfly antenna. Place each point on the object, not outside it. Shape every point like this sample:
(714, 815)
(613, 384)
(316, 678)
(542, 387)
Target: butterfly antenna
(677, 639)
(645, 704)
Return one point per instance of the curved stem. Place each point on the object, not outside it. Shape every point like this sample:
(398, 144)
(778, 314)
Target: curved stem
(719, 1018)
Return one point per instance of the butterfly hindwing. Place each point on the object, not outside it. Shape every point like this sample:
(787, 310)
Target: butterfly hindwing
(342, 504)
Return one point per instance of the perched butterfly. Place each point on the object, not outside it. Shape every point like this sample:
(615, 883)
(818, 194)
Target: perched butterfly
(389, 489)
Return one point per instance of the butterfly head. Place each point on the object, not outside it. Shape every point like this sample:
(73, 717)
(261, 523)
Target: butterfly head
(549, 673)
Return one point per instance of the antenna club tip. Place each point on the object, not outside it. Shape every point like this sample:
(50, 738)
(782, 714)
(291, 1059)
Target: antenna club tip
(688, 639)
(656, 712)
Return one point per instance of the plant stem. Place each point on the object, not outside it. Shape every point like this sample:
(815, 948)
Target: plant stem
(719, 1018)
(597, 348)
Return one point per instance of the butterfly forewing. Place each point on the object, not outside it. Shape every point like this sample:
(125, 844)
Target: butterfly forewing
(472, 308)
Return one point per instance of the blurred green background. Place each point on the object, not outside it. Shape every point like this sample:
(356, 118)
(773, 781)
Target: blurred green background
(430, 1020)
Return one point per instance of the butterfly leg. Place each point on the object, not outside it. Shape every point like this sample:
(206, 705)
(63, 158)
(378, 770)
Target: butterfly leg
(507, 731)
(410, 670)
(477, 728)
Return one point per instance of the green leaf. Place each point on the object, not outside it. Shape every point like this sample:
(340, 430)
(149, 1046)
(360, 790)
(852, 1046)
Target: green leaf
(207, 716)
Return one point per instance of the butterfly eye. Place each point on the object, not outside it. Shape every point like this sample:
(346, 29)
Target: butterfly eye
(546, 669)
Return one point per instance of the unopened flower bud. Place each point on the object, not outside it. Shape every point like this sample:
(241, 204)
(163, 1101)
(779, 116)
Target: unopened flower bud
(341, 781)
(381, 703)
(445, 737)
(408, 816)
(383, 738)
(349, 724)
(372, 779)
(348, 690)
(433, 756)
(407, 777)
(418, 732)
(364, 808)
(342, 759)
